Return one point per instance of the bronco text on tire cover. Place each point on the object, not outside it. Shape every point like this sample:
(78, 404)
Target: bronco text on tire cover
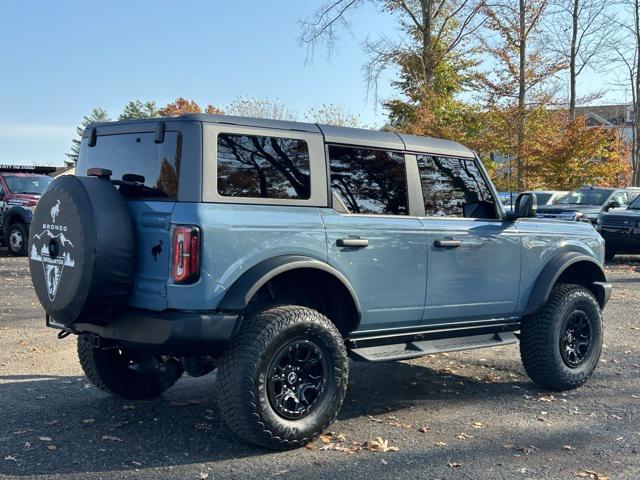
(81, 250)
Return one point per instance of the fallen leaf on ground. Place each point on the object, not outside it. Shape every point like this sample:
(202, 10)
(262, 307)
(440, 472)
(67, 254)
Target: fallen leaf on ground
(380, 445)
(44, 439)
(454, 465)
(424, 429)
(52, 448)
(567, 447)
(463, 436)
(477, 425)
(441, 444)
(128, 407)
(374, 419)
(591, 474)
(111, 438)
(51, 423)
(10, 458)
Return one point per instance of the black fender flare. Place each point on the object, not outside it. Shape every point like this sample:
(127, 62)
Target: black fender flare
(245, 287)
(16, 211)
(552, 272)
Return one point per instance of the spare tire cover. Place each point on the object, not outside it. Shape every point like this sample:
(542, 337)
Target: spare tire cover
(81, 250)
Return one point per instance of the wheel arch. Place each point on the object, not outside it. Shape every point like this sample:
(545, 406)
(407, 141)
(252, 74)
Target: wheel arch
(12, 216)
(569, 267)
(332, 288)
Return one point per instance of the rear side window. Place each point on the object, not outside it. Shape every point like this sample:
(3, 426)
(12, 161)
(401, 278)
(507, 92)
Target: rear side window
(263, 167)
(369, 181)
(449, 184)
(138, 154)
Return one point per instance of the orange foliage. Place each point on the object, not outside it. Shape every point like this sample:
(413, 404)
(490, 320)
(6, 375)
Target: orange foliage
(182, 106)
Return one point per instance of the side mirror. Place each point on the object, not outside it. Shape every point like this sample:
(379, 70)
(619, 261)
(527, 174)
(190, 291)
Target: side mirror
(526, 205)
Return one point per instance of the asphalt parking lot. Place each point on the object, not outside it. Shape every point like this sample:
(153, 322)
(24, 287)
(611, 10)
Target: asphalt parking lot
(471, 415)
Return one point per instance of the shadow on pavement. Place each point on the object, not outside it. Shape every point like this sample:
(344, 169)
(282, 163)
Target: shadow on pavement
(93, 432)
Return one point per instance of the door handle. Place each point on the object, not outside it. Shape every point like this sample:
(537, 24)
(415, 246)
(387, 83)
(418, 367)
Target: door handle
(447, 243)
(352, 242)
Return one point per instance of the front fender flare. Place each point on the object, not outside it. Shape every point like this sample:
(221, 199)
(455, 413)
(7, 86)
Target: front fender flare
(244, 288)
(552, 272)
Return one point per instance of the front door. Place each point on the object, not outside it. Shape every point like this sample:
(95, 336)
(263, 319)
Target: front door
(474, 258)
(372, 239)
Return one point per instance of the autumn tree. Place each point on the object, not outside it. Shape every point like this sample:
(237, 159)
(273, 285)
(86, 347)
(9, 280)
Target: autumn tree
(626, 54)
(97, 115)
(520, 69)
(260, 108)
(138, 109)
(579, 31)
(182, 106)
(331, 114)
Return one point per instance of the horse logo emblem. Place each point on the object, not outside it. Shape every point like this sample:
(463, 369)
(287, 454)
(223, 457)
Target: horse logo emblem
(55, 210)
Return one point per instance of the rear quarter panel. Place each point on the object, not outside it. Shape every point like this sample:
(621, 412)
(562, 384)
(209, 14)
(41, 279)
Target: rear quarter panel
(237, 237)
(544, 239)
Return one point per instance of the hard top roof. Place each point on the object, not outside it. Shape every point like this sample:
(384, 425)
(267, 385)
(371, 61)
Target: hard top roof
(332, 134)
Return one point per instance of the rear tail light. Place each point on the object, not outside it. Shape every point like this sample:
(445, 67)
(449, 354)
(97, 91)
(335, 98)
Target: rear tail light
(186, 254)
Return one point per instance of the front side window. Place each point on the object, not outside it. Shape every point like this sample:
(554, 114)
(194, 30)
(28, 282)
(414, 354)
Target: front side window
(263, 167)
(369, 181)
(454, 187)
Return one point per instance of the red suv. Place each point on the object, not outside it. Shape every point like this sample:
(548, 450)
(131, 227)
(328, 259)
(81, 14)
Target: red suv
(20, 189)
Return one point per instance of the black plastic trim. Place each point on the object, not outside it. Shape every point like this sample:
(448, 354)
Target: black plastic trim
(242, 291)
(550, 274)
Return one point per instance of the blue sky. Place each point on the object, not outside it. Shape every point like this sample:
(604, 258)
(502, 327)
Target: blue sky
(60, 59)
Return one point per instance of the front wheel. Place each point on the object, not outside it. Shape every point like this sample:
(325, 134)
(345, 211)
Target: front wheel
(17, 239)
(560, 345)
(283, 380)
(130, 374)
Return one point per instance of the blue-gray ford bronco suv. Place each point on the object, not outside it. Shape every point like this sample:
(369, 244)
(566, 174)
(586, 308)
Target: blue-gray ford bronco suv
(272, 251)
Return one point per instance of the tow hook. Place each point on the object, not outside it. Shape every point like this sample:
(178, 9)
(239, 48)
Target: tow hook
(63, 334)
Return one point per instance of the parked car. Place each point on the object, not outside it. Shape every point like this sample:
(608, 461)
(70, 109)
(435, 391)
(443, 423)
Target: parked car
(620, 229)
(273, 250)
(548, 197)
(586, 204)
(508, 200)
(20, 190)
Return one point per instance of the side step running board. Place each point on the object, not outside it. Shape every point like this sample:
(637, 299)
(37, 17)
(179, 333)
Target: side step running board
(403, 351)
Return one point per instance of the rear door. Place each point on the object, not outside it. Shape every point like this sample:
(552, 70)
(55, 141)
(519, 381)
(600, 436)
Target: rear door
(372, 238)
(474, 258)
(150, 197)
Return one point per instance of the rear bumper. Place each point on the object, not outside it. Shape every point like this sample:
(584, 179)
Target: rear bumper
(169, 331)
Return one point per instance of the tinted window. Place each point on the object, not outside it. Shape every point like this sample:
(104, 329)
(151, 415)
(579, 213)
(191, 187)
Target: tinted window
(263, 167)
(137, 154)
(369, 181)
(585, 196)
(449, 184)
(543, 198)
(34, 184)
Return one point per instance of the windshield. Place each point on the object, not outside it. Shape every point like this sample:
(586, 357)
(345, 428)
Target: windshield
(635, 205)
(31, 184)
(586, 196)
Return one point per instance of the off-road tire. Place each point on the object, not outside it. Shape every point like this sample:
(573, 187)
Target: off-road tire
(242, 393)
(21, 229)
(609, 254)
(107, 371)
(540, 348)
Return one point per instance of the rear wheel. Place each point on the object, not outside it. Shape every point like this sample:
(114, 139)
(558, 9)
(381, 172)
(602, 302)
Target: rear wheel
(560, 346)
(284, 378)
(129, 374)
(17, 239)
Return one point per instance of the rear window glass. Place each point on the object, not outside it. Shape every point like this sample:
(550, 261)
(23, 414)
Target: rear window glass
(263, 167)
(137, 154)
